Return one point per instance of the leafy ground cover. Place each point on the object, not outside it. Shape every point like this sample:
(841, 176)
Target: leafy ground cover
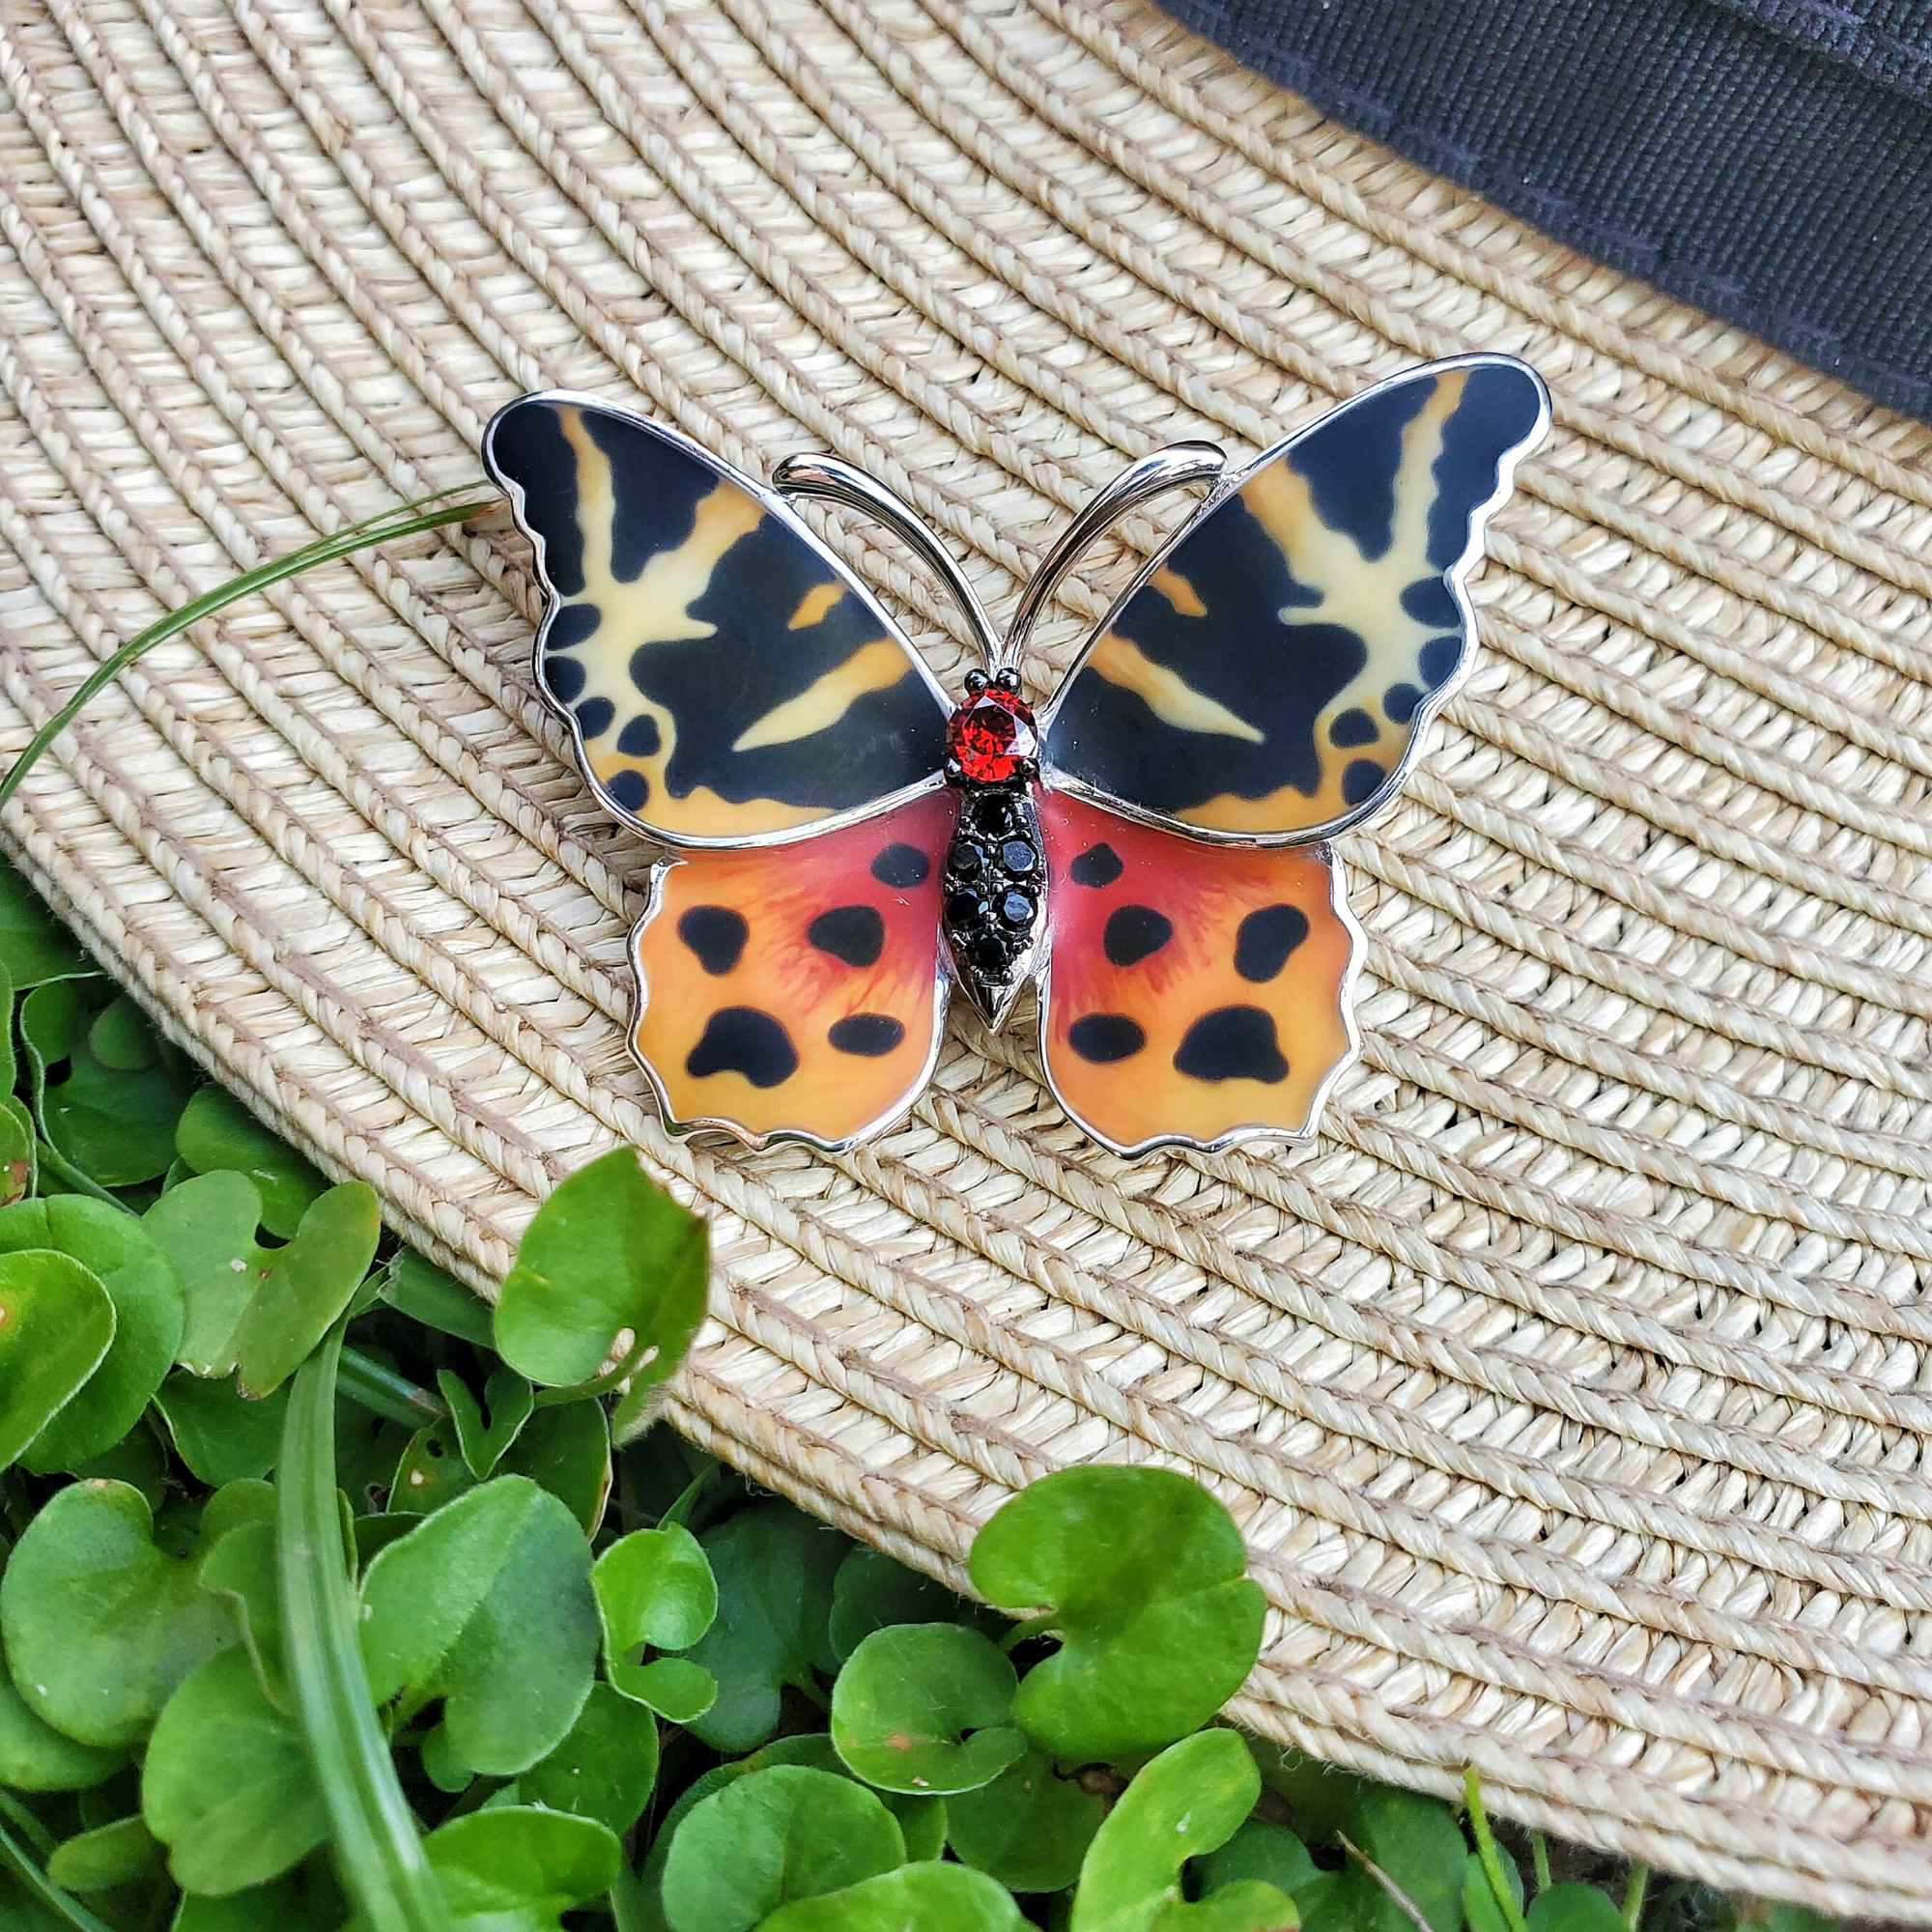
(332, 1599)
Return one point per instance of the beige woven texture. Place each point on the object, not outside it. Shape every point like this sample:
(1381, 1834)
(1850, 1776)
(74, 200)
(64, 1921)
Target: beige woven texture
(1572, 1389)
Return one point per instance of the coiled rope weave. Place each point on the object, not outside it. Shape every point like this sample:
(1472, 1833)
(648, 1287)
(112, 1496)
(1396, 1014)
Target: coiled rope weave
(1572, 1389)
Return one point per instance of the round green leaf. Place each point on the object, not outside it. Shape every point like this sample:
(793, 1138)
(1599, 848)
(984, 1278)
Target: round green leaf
(218, 1432)
(241, 1571)
(34, 1756)
(566, 1447)
(137, 1459)
(1186, 1802)
(609, 1252)
(148, 1314)
(1030, 1828)
(1260, 1850)
(1417, 1842)
(482, 1443)
(216, 1133)
(114, 1121)
(518, 1869)
(100, 1625)
(605, 1768)
(1140, 1572)
(110, 1854)
(654, 1587)
(674, 1686)
(304, 1900)
(774, 1567)
(923, 1707)
(871, 1592)
(1569, 1908)
(56, 1327)
(207, 1227)
(430, 1472)
(227, 1785)
(34, 945)
(305, 1286)
(773, 1836)
(487, 1605)
(932, 1897)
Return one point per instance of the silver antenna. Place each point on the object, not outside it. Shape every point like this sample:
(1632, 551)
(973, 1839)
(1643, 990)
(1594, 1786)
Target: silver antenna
(1174, 467)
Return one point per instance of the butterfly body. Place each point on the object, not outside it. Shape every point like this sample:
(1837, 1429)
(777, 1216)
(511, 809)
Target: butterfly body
(845, 843)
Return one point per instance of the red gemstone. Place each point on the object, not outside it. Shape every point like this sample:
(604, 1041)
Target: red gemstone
(991, 737)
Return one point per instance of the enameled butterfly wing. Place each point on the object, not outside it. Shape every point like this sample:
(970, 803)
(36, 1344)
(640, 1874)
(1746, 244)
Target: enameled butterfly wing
(735, 693)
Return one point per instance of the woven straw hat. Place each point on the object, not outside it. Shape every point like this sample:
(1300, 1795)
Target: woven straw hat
(1572, 1387)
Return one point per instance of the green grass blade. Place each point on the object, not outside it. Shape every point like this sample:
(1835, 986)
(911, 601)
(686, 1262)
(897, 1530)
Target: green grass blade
(38, 1887)
(407, 520)
(377, 1849)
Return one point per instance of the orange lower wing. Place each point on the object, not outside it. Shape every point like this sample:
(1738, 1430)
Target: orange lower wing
(1193, 993)
(796, 989)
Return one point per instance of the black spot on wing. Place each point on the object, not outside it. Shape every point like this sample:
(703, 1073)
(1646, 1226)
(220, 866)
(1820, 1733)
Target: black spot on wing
(853, 933)
(1360, 779)
(900, 866)
(1352, 727)
(1097, 865)
(1264, 940)
(629, 790)
(527, 447)
(594, 716)
(1105, 1038)
(1232, 1043)
(745, 1040)
(573, 625)
(1399, 702)
(562, 676)
(717, 934)
(1501, 403)
(1429, 601)
(1350, 462)
(1438, 660)
(641, 738)
(869, 1035)
(1134, 932)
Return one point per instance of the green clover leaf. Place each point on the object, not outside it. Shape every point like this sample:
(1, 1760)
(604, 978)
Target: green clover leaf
(227, 1785)
(56, 1327)
(34, 1756)
(1139, 1574)
(148, 1315)
(779, 1835)
(100, 1625)
(1030, 1828)
(517, 1869)
(488, 1605)
(925, 1708)
(216, 1133)
(1187, 1800)
(122, 1851)
(655, 1589)
(605, 1767)
(609, 1258)
(933, 1898)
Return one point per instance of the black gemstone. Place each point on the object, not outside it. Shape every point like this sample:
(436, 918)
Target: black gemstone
(965, 910)
(867, 1035)
(743, 1040)
(716, 935)
(998, 815)
(1133, 932)
(1265, 939)
(1016, 909)
(988, 954)
(966, 859)
(1018, 856)
(902, 865)
(853, 933)
(1104, 1037)
(1097, 865)
(1232, 1043)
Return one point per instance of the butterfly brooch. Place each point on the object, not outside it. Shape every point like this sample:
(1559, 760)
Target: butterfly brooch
(846, 843)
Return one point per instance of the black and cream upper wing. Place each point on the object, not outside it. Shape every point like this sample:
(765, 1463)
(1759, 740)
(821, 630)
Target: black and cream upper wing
(1268, 676)
(730, 682)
